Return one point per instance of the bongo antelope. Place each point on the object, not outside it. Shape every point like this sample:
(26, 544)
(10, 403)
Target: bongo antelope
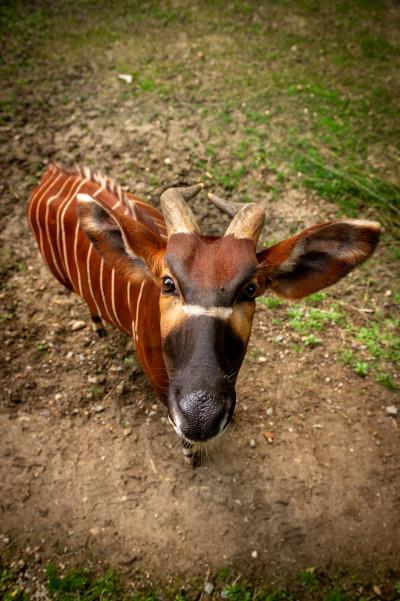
(186, 299)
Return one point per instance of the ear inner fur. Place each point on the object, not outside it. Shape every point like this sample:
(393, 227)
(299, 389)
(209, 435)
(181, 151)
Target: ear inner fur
(118, 237)
(318, 257)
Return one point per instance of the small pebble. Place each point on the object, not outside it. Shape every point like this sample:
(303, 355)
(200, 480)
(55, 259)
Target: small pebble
(392, 410)
(128, 559)
(126, 77)
(77, 325)
(98, 408)
(208, 588)
(253, 443)
(262, 359)
(254, 554)
(269, 437)
(270, 412)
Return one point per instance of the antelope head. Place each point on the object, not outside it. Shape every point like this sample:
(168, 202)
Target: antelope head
(208, 291)
(208, 286)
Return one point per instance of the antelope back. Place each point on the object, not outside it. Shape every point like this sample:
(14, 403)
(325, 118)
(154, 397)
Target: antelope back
(74, 260)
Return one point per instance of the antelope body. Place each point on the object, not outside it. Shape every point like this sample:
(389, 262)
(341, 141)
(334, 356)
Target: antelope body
(186, 299)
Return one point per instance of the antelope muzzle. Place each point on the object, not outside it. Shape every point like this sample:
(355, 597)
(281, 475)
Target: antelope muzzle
(201, 414)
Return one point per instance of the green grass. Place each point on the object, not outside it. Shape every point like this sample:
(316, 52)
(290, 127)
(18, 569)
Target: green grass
(304, 115)
(7, 316)
(271, 302)
(376, 47)
(378, 350)
(361, 368)
(96, 391)
(81, 584)
(350, 188)
(381, 339)
(130, 360)
(309, 578)
(372, 350)
(386, 380)
(312, 340)
(304, 321)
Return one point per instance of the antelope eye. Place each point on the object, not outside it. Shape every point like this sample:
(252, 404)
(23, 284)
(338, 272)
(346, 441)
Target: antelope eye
(250, 291)
(168, 285)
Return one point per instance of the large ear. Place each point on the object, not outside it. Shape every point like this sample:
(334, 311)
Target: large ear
(318, 256)
(125, 244)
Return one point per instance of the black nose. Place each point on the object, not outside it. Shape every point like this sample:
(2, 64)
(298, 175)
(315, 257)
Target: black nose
(199, 416)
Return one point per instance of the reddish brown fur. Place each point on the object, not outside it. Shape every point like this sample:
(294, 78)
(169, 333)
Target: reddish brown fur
(341, 246)
(211, 263)
(296, 267)
(63, 184)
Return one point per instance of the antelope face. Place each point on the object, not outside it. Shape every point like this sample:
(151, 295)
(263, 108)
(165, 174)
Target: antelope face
(207, 306)
(208, 287)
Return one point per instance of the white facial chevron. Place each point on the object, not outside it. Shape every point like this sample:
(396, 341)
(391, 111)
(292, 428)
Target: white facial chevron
(198, 310)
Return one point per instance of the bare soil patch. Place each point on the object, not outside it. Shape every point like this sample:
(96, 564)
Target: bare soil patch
(307, 475)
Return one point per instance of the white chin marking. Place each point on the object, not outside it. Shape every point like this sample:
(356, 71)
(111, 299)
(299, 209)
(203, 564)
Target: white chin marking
(198, 310)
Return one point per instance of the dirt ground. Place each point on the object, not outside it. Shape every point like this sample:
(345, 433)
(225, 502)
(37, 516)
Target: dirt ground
(90, 468)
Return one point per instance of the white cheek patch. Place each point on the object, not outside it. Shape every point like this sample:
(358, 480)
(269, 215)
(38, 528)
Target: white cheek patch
(198, 310)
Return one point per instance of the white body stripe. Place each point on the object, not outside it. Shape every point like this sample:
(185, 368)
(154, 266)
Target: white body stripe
(198, 310)
(113, 298)
(38, 205)
(99, 191)
(137, 308)
(128, 295)
(60, 222)
(102, 291)
(48, 203)
(41, 191)
(76, 258)
(133, 323)
(90, 279)
(159, 222)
